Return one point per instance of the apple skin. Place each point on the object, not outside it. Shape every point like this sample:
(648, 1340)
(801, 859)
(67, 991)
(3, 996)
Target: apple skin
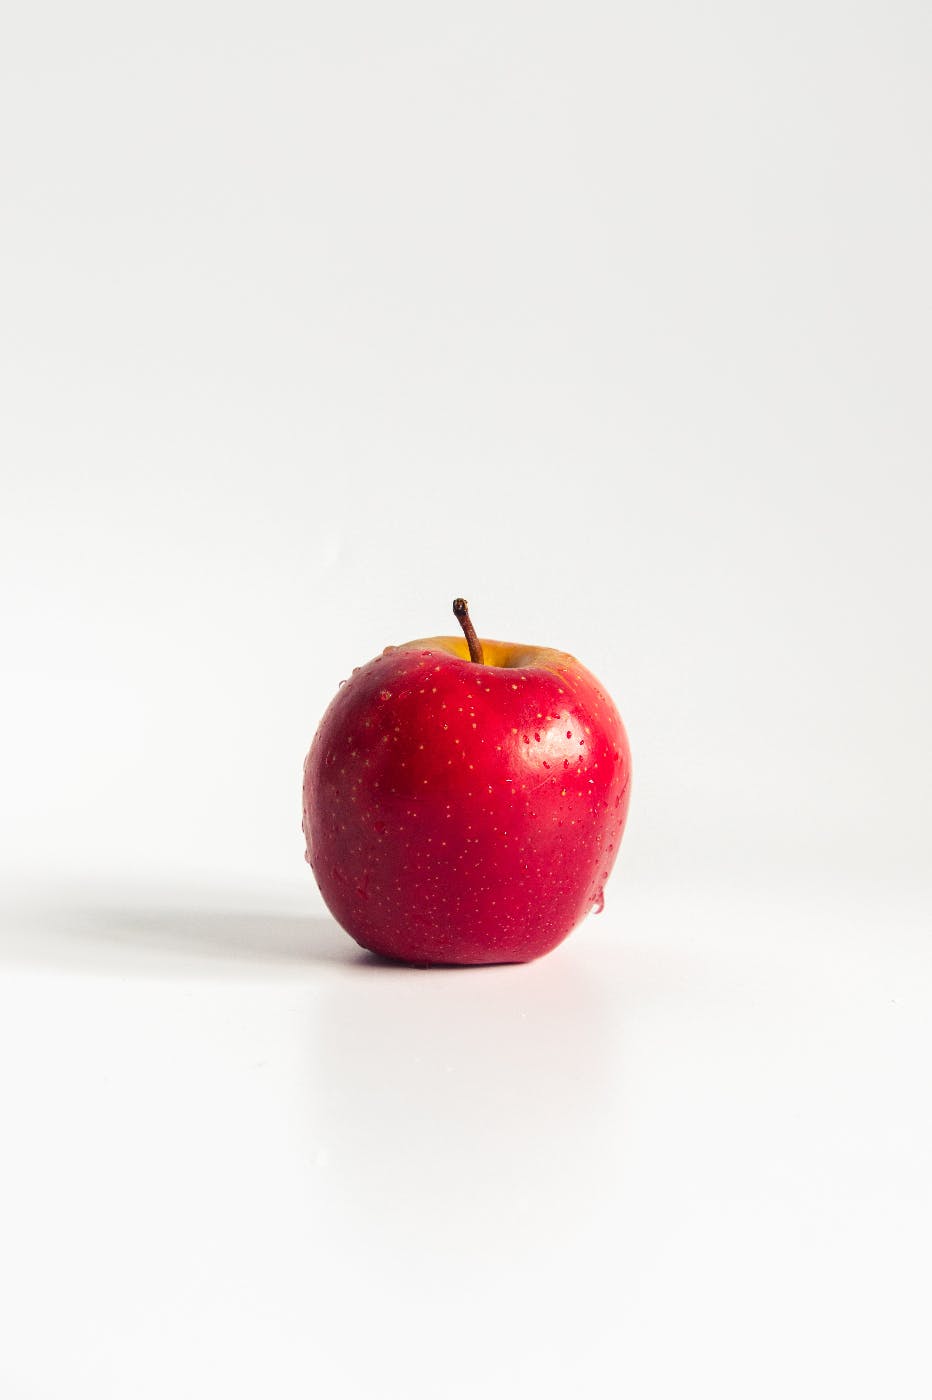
(458, 812)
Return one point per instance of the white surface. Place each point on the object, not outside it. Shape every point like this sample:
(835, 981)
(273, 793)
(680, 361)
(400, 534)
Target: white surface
(616, 322)
(691, 1148)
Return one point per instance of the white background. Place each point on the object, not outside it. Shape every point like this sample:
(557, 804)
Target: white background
(615, 319)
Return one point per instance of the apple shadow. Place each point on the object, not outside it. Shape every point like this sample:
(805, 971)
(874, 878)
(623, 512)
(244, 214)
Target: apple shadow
(145, 935)
(221, 935)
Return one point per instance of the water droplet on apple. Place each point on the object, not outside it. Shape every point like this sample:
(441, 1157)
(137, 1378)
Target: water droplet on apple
(598, 902)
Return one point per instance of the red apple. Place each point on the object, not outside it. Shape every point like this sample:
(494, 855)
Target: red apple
(464, 801)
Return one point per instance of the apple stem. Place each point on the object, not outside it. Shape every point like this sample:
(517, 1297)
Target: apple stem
(461, 611)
